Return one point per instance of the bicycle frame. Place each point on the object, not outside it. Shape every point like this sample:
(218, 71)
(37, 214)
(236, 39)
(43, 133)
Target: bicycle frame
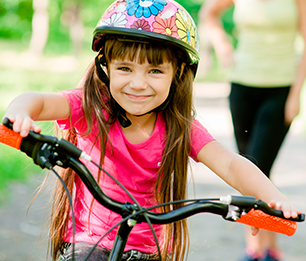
(130, 213)
(48, 151)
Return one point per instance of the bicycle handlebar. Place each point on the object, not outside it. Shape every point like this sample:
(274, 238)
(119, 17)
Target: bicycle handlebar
(49, 151)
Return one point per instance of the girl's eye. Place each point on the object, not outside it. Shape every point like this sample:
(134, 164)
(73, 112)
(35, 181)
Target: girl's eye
(156, 71)
(125, 69)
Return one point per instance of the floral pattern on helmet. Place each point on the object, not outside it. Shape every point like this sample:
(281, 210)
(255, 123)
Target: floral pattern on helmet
(165, 25)
(186, 30)
(145, 8)
(116, 20)
(165, 17)
(141, 24)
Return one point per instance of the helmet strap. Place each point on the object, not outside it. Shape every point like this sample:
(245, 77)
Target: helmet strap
(99, 62)
(122, 118)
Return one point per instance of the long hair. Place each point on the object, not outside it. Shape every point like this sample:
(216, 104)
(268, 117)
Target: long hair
(171, 183)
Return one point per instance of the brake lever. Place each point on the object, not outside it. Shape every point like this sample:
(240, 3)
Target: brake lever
(238, 205)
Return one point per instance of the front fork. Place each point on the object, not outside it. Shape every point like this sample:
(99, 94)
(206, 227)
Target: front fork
(121, 239)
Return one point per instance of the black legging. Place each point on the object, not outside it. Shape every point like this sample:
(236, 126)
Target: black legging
(258, 120)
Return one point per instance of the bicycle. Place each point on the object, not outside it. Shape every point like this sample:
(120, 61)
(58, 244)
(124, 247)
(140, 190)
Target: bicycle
(49, 151)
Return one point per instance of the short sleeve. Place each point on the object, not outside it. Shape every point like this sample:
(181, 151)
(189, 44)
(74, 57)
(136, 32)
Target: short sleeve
(77, 117)
(199, 138)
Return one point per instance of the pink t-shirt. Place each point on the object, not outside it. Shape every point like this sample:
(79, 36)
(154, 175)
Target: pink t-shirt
(134, 165)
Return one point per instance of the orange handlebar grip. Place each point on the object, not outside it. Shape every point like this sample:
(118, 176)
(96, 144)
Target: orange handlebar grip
(257, 218)
(10, 137)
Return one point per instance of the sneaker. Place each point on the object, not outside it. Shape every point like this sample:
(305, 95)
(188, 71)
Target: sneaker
(273, 255)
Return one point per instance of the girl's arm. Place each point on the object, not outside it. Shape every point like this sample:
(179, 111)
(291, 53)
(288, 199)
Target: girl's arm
(29, 107)
(292, 107)
(244, 176)
(210, 19)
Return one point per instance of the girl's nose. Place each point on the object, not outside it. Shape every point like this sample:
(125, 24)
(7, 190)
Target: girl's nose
(139, 82)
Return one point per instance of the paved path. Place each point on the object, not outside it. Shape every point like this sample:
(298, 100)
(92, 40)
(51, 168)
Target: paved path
(211, 237)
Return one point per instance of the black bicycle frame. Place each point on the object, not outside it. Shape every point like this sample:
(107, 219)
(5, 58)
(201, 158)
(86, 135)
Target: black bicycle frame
(131, 210)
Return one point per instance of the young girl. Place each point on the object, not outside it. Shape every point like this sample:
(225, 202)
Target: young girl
(133, 112)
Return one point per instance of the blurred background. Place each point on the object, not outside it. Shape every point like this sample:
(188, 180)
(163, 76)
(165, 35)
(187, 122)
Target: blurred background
(46, 46)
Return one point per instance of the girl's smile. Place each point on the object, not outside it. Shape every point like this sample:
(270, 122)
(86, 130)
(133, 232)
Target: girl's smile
(139, 87)
(137, 97)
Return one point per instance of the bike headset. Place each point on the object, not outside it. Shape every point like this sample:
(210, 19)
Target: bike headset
(159, 21)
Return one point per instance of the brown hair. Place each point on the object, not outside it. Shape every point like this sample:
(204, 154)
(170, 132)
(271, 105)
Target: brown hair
(172, 177)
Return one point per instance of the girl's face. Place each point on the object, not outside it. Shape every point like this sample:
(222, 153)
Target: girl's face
(139, 87)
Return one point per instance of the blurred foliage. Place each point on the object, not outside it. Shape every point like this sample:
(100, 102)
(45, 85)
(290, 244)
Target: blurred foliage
(91, 11)
(16, 18)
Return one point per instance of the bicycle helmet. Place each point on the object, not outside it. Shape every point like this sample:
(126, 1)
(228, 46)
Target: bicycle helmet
(154, 20)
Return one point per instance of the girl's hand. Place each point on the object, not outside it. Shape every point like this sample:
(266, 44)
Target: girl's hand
(286, 207)
(22, 124)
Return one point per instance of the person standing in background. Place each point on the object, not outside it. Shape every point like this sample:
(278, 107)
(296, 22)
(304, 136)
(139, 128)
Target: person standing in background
(266, 78)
